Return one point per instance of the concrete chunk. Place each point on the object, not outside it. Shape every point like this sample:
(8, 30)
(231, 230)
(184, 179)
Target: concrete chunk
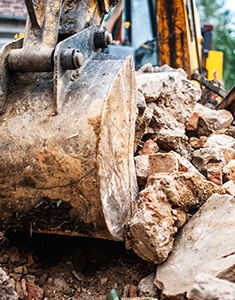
(162, 209)
(205, 244)
(146, 286)
(204, 156)
(228, 153)
(142, 168)
(142, 121)
(6, 289)
(207, 287)
(211, 120)
(229, 186)
(197, 142)
(216, 140)
(175, 140)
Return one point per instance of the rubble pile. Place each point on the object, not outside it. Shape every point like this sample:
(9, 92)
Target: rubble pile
(183, 225)
(185, 166)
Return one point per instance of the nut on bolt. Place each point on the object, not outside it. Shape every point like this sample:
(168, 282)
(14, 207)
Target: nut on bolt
(71, 59)
(103, 39)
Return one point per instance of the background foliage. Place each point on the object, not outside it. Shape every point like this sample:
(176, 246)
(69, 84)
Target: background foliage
(213, 12)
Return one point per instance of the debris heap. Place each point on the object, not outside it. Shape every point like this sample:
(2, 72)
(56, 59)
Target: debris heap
(183, 224)
(185, 166)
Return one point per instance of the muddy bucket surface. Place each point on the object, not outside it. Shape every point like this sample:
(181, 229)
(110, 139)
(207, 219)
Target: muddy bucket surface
(70, 173)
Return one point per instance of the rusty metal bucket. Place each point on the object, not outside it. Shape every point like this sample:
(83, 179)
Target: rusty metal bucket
(71, 172)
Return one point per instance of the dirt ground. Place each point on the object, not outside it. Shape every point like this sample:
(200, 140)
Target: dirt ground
(71, 267)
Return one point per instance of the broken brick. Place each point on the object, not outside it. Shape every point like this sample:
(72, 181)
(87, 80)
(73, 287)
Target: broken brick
(163, 163)
(214, 173)
(150, 147)
(133, 291)
(193, 122)
(35, 291)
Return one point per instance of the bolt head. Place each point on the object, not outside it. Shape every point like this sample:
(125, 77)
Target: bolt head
(103, 39)
(108, 38)
(77, 58)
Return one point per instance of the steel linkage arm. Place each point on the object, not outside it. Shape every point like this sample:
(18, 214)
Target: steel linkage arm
(49, 23)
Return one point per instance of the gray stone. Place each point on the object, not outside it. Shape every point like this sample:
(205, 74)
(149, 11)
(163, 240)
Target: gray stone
(207, 287)
(211, 120)
(168, 89)
(141, 101)
(175, 140)
(142, 168)
(205, 244)
(147, 68)
(171, 97)
(6, 289)
(204, 156)
(162, 209)
(78, 275)
(228, 131)
(146, 286)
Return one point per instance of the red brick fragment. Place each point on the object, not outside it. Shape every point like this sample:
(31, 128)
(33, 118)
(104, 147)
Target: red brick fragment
(35, 291)
(193, 122)
(163, 163)
(149, 147)
(133, 291)
(30, 297)
(182, 168)
(214, 173)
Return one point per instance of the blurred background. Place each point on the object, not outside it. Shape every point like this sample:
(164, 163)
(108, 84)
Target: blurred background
(219, 13)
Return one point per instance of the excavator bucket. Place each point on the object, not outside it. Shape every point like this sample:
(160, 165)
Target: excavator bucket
(67, 127)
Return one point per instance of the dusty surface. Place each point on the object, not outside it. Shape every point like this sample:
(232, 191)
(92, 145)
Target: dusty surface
(204, 245)
(53, 263)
